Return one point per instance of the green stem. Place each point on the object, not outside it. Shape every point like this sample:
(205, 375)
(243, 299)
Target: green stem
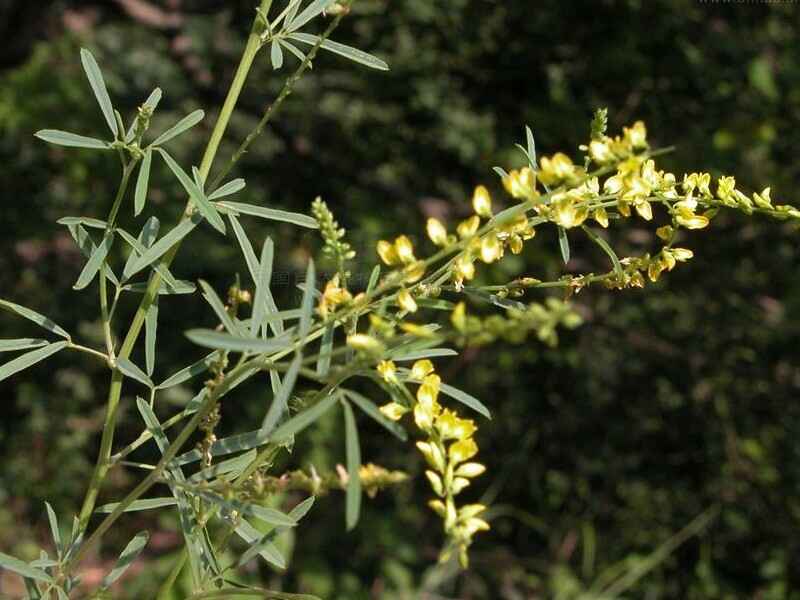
(115, 388)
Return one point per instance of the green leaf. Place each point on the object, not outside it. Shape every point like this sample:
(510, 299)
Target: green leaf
(301, 510)
(153, 99)
(373, 278)
(280, 400)
(129, 554)
(137, 505)
(186, 373)
(232, 187)
(150, 333)
(264, 276)
(95, 78)
(140, 195)
(161, 247)
(262, 513)
(147, 236)
(303, 419)
(140, 249)
(129, 369)
(247, 247)
(276, 55)
(21, 344)
(206, 208)
(270, 213)
(20, 568)
(73, 140)
(607, 249)
(185, 123)
(418, 354)
(531, 152)
(95, 262)
(88, 248)
(229, 445)
(29, 359)
(307, 305)
(372, 411)
(310, 12)
(325, 352)
(54, 531)
(233, 465)
(219, 309)
(181, 287)
(260, 545)
(209, 338)
(348, 52)
(466, 399)
(87, 221)
(294, 50)
(353, 493)
(563, 243)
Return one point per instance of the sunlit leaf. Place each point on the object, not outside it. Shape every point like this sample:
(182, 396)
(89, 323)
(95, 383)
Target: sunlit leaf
(73, 140)
(95, 262)
(131, 370)
(185, 123)
(129, 554)
(348, 52)
(209, 338)
(29, 359)
(206, 208)
(270, 213)
(140, 194)
(353, 492)
(95, 78)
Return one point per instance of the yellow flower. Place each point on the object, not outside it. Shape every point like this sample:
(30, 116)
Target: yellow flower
(600, 152)
(521, 184)
(436, 482)
(613, 184)
(556, 169)
(414, 272)
(763, 200)
(406, 301)
(468, 227)
(404, 249)
(601, 216)
(332, 296)
(365, 343)
(472, 469)
(491, 248)
(459, 317)
(433, 454)
(421, 369)
(458, 485)
(682, 254)
(393, 411)
(387, 253)
(725, 189)
(665, 232)
(436, 232)
(387, 370)
(428, 392)
(451, 427)
(482, 202)
(636, 135)
(417, 330)
(462, 450)
(464, 268)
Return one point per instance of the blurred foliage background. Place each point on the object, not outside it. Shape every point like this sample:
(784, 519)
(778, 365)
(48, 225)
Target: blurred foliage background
(667, 402)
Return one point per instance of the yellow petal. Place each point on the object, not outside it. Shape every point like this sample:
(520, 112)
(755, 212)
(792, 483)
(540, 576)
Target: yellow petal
(463, 450)
(436, 232)
(469, 226)
(404, 249)
(491, 248)
(406, 301)
(421, 369)
(388, 253)
(482, 202)
(393, 411)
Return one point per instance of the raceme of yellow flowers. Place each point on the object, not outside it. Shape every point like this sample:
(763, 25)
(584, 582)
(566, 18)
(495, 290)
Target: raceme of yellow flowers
(617, 180)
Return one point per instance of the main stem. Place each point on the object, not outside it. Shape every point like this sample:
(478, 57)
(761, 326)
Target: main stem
(115, 387)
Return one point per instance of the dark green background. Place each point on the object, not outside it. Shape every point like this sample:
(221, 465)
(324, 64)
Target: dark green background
(666, 402)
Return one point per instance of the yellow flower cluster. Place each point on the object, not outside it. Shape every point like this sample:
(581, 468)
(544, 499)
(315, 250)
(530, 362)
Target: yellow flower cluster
(448, 449)
(332, 296)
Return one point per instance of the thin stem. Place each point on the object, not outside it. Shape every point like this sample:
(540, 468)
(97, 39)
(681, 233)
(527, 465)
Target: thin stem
(95, 353)
(115, 387)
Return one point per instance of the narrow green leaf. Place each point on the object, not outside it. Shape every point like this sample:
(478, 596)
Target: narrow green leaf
(87, 221)
(232, 466)
(563, 243)
(500, 171)
(153, 99)
(206, 208)
(209, 338)
(259, 545)
(185, 123)
(20, 568)
(95, 78)
(247, 247)
(294, 50)
(276, 55)
(325, 352)
(54, 531)
(229, 445)
(607, 249)
(301, 510)
(310, 12)
(418, 354)
(161, 247)
(264, 277)
(373, 278)
(147, 236)
(137, 505)
(228, 189)
(150, 334)
(348, 52)
(187, 373)
(21, 344)
(372, 411)
(29, 359)
(219, 309)
(307, 305)
(262, 513)
(131, 370)
(180, 287)
(270, 213)
(88, 248)
(353, 493)
(139, 250)
(280, 400)
(73, 140)
(466, 399)
(531, 152)
(95, 262)
(129, 554)
(140, 195)
(303, 419)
